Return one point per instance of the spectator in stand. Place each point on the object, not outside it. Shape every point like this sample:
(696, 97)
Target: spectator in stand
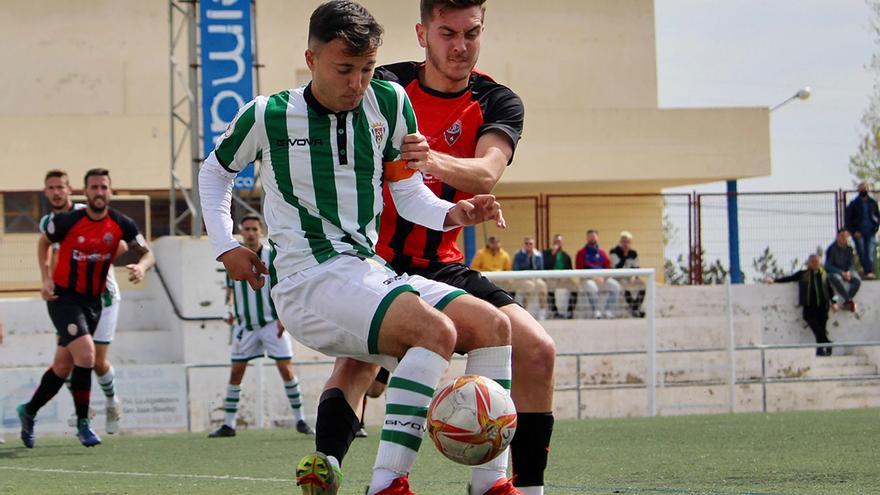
(862, 221)
(491, 258)
(592, 257)
(841, 267)
(529, 258)
(555, 258)
(814, 296)
(623, 256)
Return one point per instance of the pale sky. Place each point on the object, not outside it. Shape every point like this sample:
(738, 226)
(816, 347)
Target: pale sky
(758, 53)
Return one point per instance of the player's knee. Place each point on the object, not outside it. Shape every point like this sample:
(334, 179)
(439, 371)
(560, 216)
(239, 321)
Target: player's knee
(498, 326)
(102, 366)
(537, 357)
(236, 375)
(62, 370)
(440, 336)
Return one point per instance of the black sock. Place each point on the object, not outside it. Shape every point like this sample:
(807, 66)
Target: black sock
(50, 384)
(336, 424)
(530, 448)
(81, 388)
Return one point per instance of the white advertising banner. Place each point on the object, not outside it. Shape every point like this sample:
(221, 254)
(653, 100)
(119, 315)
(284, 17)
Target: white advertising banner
(153, 398)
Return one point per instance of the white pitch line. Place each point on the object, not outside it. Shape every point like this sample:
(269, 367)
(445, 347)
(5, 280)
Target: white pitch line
(155, 475)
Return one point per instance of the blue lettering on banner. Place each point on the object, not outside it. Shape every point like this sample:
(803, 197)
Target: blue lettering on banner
(227, 70)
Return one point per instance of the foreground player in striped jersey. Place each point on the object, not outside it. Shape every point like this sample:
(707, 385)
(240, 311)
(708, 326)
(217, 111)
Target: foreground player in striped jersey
(88, 242)
(257, 333)
(326, 151)
(57, 191)
(472, 125)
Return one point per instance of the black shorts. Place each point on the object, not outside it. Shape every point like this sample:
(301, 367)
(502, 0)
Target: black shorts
(74, 317)
(471, 281)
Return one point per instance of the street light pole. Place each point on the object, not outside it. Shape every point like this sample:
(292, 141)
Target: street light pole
(736, 274)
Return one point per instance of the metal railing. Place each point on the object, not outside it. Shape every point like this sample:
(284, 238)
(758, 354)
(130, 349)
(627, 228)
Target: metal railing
(650, 301)
(763, 380)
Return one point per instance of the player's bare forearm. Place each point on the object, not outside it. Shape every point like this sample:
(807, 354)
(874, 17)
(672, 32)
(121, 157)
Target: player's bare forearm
(146, 260)
(471, 175)
(477, 175)
(145, 256)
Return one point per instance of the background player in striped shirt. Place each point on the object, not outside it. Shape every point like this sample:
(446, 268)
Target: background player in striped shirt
(472, 125)
(257, 332)
(57, 191)
(88, 242)
(325, 153)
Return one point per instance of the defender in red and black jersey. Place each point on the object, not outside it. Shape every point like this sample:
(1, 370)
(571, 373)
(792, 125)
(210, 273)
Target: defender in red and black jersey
(86, 250)
(472, 125)
(88, 240)
(453, 123)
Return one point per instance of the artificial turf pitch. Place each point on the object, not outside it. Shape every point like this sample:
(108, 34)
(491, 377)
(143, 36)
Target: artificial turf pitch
(834, 452)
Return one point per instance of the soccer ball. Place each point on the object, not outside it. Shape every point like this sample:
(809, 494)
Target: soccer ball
(472, 420)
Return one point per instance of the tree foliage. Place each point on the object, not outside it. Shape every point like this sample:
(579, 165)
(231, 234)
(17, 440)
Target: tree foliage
(864, 164)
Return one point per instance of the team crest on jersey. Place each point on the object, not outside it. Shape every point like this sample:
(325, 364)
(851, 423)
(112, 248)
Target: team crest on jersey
(452, 134)
(108, 238)
(80, 239)
(378, 129)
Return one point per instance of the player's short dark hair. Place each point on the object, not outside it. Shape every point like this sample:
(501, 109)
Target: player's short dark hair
(56, 172)
(347, 21)
(251, 217)
(96, 172)
(427, 7)
(842, 230)
(592, 231)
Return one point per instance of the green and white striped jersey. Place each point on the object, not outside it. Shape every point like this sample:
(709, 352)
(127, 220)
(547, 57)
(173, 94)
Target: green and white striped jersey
(111, 294)
(321, 171)
(253, 308)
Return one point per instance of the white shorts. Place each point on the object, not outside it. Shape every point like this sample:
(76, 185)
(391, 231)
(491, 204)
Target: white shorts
(251, 344)
(106, 328)
(338, 306)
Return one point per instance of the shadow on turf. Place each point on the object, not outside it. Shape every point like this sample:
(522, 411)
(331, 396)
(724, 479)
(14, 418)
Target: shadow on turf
(38, 452)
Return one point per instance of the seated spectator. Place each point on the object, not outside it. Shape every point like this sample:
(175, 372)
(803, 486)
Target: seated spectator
(592, 257)
(492, 258)
(840, 264)
(623, 256)
(862, 222)
(814, 296)
(528, 258)
(556, 258)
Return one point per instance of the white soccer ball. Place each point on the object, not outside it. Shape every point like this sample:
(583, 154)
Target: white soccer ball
(472, 420)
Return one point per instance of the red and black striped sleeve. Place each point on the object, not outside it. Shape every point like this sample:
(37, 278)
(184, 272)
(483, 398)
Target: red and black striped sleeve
(61, 223)
(503, 110)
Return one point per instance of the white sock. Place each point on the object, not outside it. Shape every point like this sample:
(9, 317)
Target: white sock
(406, 407)
(106, 383)
(494, 363)
(294, 395)
(531, 490)
(230, 405)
